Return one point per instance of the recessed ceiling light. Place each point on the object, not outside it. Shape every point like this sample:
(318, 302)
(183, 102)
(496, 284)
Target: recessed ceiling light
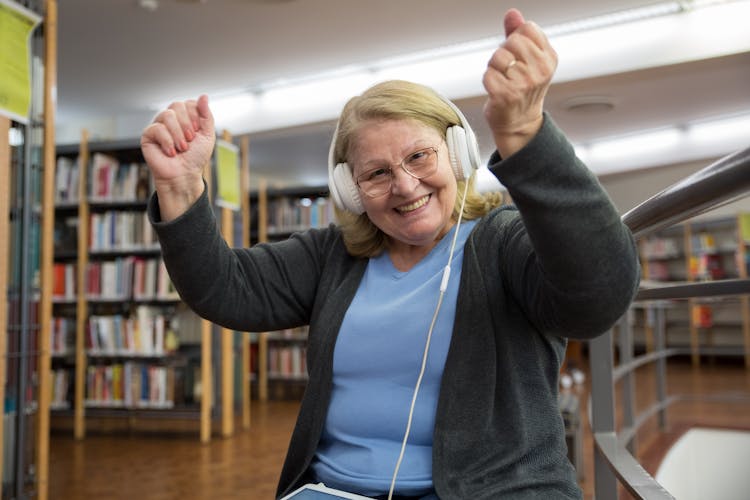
(149, 5)
(588, 104)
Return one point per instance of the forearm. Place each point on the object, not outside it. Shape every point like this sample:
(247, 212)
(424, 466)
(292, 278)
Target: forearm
(583, 255)
(249, 289)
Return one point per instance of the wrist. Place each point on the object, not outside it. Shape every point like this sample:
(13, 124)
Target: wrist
(511, 139)
(176, 196)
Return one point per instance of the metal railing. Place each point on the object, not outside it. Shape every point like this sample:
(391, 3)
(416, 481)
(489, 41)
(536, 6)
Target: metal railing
(720, 183)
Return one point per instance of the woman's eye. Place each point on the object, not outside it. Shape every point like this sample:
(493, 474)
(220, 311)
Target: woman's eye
(376, 174)
(417, 156)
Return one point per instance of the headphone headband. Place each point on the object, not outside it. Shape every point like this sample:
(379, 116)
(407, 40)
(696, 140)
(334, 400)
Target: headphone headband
(462, 149)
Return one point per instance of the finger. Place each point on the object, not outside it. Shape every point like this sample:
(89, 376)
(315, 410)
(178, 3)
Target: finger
(190, 126)
(497, 86)
(522, 38)
(179, 123)
(494, 82)
(512, 20)
(536, 60)
(174, 121)
(501, 61)
(205, 117)
(157, 134)
(534, 32)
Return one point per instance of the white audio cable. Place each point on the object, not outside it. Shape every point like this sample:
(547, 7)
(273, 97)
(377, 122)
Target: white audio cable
(443, 288)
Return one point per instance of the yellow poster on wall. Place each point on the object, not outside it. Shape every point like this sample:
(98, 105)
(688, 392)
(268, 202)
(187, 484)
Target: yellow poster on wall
(16, 25)
(227, 175)
(745, 227)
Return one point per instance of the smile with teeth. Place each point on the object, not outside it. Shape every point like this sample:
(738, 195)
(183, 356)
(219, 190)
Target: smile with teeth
(413, 206)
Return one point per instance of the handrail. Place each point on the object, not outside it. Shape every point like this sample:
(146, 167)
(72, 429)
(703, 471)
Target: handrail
(722, 182)
(689, 290)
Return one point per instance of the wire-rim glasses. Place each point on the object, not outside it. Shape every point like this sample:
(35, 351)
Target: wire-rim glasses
(419, 164)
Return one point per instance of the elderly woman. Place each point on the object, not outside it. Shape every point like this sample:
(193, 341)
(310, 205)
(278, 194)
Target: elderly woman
(438, 317)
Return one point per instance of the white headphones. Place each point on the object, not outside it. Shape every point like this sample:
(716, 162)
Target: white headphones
(462, 150)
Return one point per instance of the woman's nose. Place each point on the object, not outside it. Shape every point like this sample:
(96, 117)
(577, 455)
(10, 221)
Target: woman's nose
(402, 182)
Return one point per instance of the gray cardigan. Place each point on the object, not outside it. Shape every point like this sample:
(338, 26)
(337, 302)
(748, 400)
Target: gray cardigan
(560, 265)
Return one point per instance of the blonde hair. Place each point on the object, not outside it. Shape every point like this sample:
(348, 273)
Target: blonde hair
(398, 100)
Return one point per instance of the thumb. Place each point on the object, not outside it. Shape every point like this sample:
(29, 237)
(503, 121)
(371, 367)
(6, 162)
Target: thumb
(513, 19)
(205, 117)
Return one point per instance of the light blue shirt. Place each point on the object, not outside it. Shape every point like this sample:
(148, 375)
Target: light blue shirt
(376, 363)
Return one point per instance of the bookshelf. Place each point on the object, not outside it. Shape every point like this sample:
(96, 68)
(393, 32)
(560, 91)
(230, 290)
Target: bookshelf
(127, 353)
(27, 166)
(280, 369)
(700, 250)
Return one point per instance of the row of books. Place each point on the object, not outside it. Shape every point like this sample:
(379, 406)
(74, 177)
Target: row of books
(660, 248)
(294, 214)
(66, 180)
(110, 280)
(287, 361)
(702, 241)
(145, 333)
(63, 282)
(62, 335)
(708, 243)
(708, 266)
(121, 231)
(130, 385)
(109, 180)
(60, 386)
(127, 278)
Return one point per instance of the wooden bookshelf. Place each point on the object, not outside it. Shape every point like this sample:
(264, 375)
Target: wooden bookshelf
(31, 308)
(281, 371)
(128, 329)
(706, 249)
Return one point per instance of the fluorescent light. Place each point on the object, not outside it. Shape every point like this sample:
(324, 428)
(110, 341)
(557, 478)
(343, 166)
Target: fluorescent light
(316, 93)
(429, 64)
(734, 127)
(585, 49)
(683, 142)
(228, 109)
(615, 18)
(636, 145)
(582, 152)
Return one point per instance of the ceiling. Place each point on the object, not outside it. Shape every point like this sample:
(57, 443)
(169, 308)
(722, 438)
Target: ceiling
(118, 59)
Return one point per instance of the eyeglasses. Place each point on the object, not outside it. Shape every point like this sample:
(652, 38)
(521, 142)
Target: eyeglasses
(419, 164)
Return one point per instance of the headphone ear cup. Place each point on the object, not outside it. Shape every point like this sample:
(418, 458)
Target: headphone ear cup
(463, 151)
(344, 190)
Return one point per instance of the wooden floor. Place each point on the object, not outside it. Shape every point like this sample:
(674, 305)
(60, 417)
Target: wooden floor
(247, 465)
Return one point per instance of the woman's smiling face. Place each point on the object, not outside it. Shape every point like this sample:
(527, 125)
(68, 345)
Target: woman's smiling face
(415, 212)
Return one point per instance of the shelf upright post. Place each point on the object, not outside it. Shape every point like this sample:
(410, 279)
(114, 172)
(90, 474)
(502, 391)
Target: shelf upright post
(79, 423)
(742, 256)
(245, 207)
(227, 336)
(47, 237)
(206, 365)
(694, 333)
(5, 187)
(263, 336)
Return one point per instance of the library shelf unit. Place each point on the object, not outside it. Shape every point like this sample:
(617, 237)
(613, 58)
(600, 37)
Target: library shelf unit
(705, 249)
(279, 367)
(26, 226)
(127, 353)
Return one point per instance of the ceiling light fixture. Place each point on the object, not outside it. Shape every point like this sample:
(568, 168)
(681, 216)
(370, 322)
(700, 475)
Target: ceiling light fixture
(149, 5)
(588, 104)
(455, 70)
